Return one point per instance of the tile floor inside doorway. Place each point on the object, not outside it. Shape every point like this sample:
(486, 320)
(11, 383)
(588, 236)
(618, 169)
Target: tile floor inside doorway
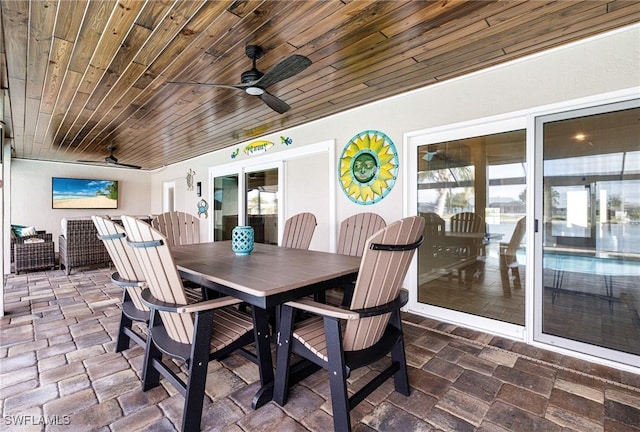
(57, 359)
(581, 310)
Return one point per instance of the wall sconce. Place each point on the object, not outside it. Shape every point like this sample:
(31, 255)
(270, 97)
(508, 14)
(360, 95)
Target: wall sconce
(199, 189)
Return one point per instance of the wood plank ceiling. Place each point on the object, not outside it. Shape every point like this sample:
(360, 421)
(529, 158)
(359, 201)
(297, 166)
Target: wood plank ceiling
(84, 75)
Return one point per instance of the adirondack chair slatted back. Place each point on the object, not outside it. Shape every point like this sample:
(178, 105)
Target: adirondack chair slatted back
(508, 260)
(516, 238)
(467, 222)
(123, 257)
(433, 251)
(355, 230)
(433, 225)
(298, 231)
(161, 275)
(380, 277)
(178, 227)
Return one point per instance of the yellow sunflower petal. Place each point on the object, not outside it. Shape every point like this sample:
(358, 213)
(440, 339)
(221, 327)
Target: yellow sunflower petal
(360, 143)
(378, 186)
(376, 143)
(384, 174)
(385, 158)
(354, 189)
(367, 193)
(344, 167)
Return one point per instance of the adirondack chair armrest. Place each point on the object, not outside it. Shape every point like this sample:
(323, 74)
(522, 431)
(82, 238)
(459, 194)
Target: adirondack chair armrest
(150, 301)
(397, 303)
(118, 280)
(210, 304)
(323, 309)
(340, 313)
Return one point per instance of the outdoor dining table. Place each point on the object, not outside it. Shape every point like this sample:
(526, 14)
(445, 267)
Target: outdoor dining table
(467, 249)
(268, 277)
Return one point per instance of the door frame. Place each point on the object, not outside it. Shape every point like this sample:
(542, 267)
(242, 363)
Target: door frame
(537, 337)
(278, 159)
(534, 211)
(485, 126)
(168, 196)
(242, 192)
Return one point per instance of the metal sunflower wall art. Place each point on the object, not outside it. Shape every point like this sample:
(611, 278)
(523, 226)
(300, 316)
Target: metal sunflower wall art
(368, 167)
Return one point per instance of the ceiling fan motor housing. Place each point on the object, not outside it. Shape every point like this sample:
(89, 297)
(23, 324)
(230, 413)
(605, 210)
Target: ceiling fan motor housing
(111, 159)
(254, 52)
(251, 75)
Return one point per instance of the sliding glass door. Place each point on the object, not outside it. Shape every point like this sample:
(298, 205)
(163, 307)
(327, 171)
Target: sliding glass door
(589, 298)
(471, 190)
(261, 198)
(225, 206)
(248, 196)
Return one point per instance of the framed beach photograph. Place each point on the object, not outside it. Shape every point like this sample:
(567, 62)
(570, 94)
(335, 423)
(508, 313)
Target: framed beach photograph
(73, 193)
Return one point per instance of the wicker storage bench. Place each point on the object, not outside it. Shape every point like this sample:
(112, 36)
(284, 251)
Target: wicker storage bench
(33, 256)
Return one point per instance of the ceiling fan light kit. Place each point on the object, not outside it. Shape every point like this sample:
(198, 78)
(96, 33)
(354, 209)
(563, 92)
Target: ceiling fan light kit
(255, 83)
(254, 91)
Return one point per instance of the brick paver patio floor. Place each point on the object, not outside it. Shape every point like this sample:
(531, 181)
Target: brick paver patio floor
(59, 371)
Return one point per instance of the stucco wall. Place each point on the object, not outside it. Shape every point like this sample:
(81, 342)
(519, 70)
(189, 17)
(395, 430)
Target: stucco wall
(31, 192)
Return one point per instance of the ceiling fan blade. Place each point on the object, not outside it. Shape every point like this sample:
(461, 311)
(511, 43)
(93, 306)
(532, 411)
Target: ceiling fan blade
(275, 103)
(284, 69)
(234, 87)
(124, 165)
(90, 162)
(109, 164)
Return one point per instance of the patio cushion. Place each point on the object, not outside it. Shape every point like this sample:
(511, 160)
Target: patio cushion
(23, 231)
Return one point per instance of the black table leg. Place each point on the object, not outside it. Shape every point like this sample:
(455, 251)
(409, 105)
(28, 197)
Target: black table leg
(263, 350)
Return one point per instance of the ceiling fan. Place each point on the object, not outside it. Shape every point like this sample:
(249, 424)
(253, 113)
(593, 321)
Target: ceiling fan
(255, 82)
(111, 160)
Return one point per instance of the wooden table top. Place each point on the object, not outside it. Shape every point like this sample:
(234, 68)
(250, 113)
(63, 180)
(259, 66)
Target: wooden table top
(269, 270)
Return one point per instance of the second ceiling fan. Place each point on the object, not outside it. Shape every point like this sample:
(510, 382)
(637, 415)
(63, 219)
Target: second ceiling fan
(255, 82)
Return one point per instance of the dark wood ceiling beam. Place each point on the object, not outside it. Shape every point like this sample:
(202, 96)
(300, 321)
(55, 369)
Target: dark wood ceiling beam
(331, 22)
(497, 33)
(84, 48)
(434, 27)
(59, 79)
(15, 22)
(166, 60)
(120, 25)
(128, 89)
(591, 24)
(41, 24)
(97, 75)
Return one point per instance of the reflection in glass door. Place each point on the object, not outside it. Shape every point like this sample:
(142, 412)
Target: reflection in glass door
(225, 206)
(589, 298)
(472, 194)
(262, 204)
